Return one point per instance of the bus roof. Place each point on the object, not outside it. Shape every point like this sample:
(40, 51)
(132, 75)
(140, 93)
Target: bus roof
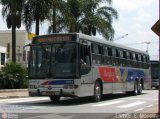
(111, 43)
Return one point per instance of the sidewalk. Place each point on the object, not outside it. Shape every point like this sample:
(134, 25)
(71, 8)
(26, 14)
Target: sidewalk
(153, 109)
(13, 93)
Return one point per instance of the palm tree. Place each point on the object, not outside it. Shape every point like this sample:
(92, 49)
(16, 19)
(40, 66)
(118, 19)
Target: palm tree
(98, 18)
(56, 17)
(11, 11)
(36, 11)
(88, 17)
(72, 15)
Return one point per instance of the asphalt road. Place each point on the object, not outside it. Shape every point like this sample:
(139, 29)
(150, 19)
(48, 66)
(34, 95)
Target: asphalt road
(112, 106)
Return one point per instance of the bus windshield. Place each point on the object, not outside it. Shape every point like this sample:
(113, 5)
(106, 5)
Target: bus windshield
(56, 61)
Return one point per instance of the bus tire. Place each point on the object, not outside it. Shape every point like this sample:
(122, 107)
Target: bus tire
(135, 92)
(97, 92)
(157, 87)
(54, 98)
(139, 87)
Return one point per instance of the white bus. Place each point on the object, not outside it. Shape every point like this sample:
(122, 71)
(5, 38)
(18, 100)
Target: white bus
(78, 65)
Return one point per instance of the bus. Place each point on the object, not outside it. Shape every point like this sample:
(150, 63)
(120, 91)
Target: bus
(154, 73)
(78, 65)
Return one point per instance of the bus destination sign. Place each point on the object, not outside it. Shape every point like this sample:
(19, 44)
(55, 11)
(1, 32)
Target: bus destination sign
(52, 39)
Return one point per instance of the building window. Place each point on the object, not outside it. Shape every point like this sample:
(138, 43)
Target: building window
(2, 58)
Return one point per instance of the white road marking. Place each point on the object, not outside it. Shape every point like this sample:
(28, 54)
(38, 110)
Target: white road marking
(131, 104)
(150, 99)
(149, 106)
(139, 109)
(107, 103)
(19, 100)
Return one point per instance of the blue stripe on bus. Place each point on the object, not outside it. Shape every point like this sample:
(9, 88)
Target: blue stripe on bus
(60, 82)
(133, 74)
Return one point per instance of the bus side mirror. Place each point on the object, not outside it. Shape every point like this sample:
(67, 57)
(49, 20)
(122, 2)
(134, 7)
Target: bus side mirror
(26, 46)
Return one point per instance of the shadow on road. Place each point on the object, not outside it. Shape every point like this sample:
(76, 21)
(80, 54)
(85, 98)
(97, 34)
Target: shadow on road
(76, 101)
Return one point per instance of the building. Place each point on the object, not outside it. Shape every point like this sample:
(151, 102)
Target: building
(6, 46)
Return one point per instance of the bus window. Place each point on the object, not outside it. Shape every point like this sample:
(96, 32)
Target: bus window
(121, 53)
(130, 56)
(117, 53)
(95, 48)
(85, 60)
(109, 51)
(142, 58)
(136, 57)
(113, 52)
(105, 50)
(124, 54)
(139, 57)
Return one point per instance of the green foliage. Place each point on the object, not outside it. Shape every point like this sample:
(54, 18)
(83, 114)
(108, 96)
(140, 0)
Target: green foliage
(13, 76)
(11, 11)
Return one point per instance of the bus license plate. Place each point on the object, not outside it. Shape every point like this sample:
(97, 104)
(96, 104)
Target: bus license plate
(48, 93)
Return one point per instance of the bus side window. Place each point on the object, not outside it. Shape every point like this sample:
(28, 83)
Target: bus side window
(85, 60)
(97, 51)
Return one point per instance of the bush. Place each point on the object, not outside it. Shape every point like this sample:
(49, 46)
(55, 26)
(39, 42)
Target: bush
(13, 76)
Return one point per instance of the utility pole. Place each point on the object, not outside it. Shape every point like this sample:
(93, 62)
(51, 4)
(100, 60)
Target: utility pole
(159, 69)
(147, 46)
(120, 37)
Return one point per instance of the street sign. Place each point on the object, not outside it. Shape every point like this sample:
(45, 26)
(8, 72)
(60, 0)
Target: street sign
(156, 28)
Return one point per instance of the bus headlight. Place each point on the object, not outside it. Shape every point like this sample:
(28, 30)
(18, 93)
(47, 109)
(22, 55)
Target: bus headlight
(33, 86)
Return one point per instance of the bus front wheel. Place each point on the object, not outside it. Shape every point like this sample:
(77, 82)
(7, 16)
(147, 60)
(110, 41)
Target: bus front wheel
(54, 98)
(97, 92)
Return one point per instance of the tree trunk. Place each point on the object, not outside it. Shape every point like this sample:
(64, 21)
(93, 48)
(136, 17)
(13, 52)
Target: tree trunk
(13, 39)
(37, 26)
(54, 20)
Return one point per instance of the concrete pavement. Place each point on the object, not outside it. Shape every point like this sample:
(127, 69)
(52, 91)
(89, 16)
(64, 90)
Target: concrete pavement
(18, 93)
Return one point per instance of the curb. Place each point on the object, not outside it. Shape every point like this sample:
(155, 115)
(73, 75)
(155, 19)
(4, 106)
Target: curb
(13, 90)
(13, 93)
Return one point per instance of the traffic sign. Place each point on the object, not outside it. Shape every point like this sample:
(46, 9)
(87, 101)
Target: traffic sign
(156, 28)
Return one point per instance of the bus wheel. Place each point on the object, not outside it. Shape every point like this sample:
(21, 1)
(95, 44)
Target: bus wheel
(135, 92)
(140, 87)
(97, 92)
(54, 98)
(157, 87)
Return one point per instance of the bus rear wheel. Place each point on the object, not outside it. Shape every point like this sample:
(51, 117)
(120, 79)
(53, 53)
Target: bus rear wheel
(139, 87)
(97, 92)
(54, 98)
(135, 92)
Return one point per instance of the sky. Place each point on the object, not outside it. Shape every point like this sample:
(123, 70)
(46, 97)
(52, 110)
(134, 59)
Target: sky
(136, 17)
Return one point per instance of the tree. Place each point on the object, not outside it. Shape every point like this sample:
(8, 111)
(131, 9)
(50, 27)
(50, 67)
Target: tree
(88, 17)
(13, 76)
(11, 11)
(56, 16)
(98, 18)
(72, 15)
(36, 11)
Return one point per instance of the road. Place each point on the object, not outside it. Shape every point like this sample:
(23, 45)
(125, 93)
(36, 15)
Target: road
(112, 106)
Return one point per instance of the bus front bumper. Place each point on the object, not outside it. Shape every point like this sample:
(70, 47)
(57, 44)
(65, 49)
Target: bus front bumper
(55, 92)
